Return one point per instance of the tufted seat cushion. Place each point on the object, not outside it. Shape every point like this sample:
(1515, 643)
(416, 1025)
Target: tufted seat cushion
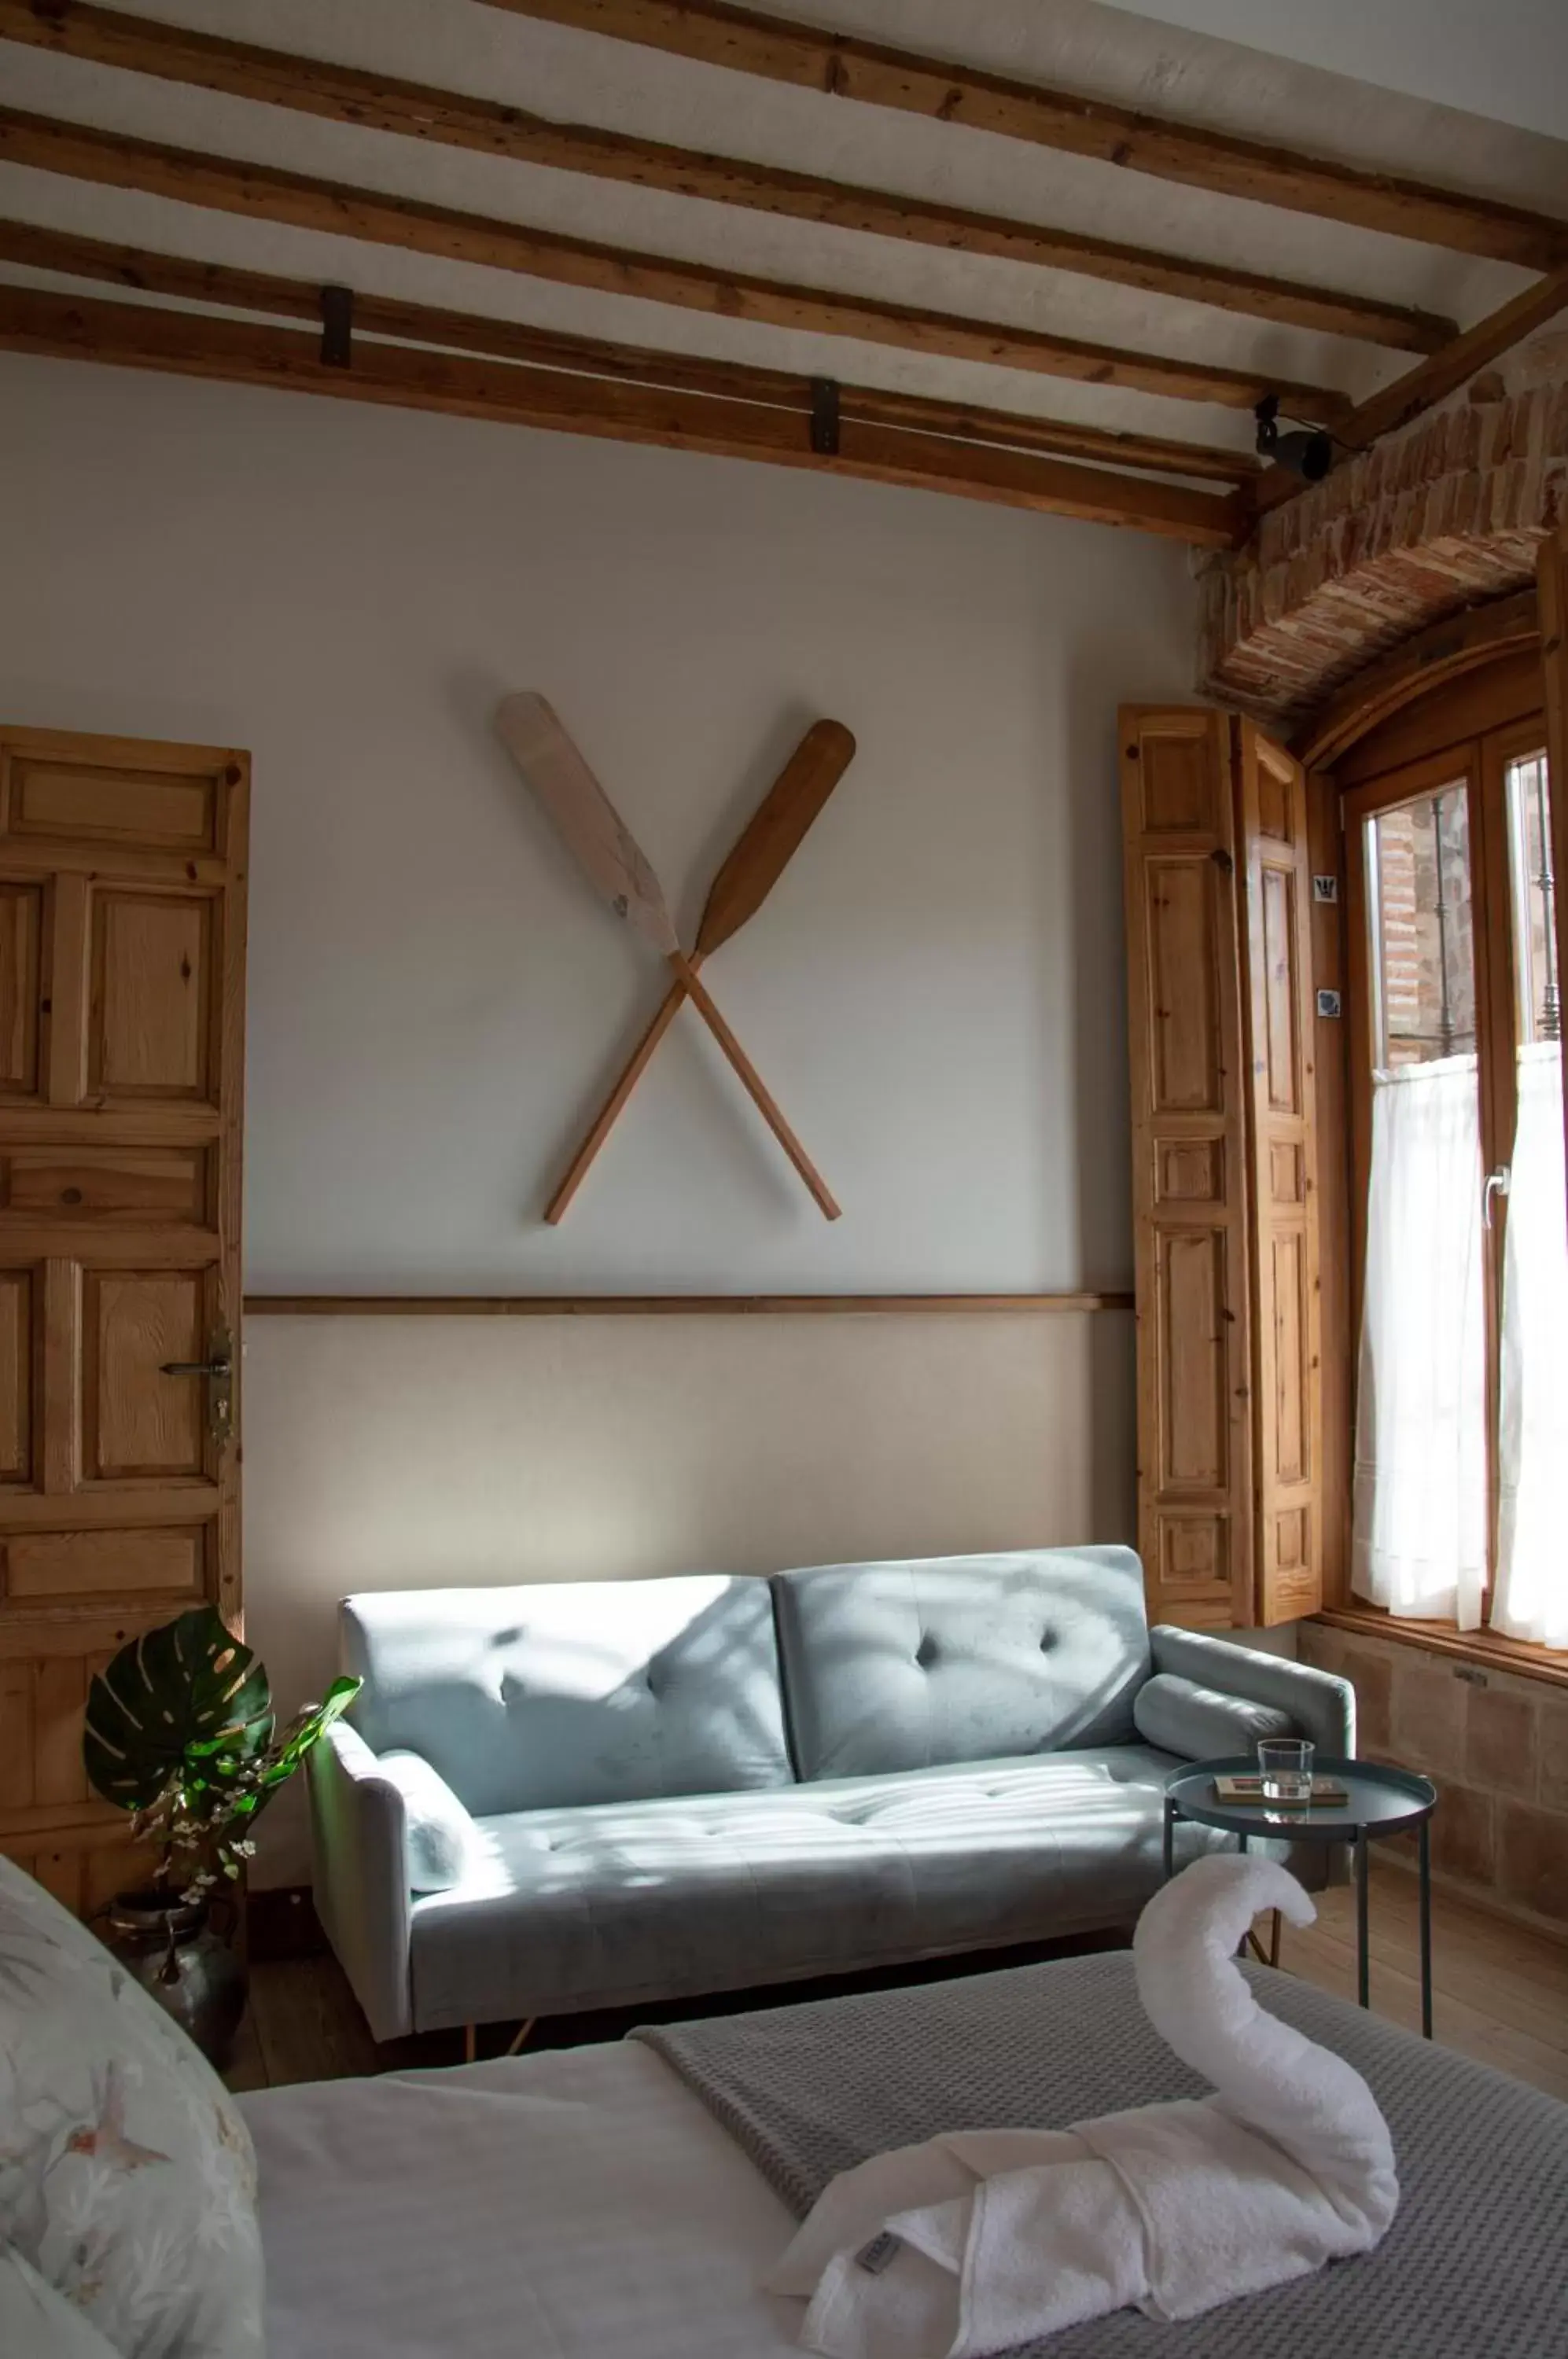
(904, 1666)
(628, 1903)
(573, 1692)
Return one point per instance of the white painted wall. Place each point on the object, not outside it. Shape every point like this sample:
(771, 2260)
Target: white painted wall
(436, 999)
(935, 992)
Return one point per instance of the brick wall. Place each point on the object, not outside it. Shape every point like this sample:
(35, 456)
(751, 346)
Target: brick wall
(1431, 519)
(1497, 1747)
(1424, 1013)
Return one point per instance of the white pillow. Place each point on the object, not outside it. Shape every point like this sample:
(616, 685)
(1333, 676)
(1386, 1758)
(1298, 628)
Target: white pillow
(440, 1839)
(127, 2181)
(39, 2322)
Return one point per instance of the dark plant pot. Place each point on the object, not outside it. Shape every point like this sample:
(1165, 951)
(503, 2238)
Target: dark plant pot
(169, 1946)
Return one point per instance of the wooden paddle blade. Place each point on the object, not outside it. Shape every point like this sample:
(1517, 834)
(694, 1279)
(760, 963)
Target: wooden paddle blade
(775, 833)
(586, 820)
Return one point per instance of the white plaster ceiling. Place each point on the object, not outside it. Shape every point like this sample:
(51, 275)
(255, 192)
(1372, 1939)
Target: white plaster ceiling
(1508, 60)
(1100, 50)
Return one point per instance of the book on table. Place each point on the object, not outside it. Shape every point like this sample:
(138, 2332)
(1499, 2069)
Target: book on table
(1246, 1787)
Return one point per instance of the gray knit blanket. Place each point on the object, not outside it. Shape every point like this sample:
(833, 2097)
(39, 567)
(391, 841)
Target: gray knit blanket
(1475, 2265)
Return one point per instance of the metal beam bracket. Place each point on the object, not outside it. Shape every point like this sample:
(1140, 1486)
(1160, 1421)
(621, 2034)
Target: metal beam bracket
(337, 327)
(824, 417)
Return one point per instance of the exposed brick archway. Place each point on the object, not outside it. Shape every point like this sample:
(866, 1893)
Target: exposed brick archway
(1449, 511)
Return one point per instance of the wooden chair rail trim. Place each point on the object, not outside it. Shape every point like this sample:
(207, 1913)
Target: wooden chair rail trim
(256, 191)
(139, 335)
(349, 94)
(1445, 651)
(71, 256)
(1488, 1648)
(843, 66)
(666, 1306)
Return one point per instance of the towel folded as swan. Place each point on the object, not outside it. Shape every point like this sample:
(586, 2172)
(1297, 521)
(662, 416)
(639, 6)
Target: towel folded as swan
(983, 2239)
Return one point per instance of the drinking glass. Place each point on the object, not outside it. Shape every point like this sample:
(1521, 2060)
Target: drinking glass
(1285, 1765)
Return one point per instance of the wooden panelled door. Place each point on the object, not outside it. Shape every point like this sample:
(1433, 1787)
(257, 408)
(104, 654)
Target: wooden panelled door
(1222, 1025)
(122, 1049)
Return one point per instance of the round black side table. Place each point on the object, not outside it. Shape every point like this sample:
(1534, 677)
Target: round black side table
(1379, 1802)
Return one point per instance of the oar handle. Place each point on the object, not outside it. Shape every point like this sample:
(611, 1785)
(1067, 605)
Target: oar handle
(604, 1121)
(752, 1081)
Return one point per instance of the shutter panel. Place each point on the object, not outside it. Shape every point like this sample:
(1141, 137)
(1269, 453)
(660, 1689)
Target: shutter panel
(1222, 1025)
(1189, 1131)
(1278, 1023)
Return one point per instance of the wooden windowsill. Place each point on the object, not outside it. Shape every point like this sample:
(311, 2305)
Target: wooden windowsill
(1487, 1648)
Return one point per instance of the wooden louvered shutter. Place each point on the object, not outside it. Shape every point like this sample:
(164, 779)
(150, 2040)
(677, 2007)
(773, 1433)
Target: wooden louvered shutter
(1279, 1022)
(1218, 891)
(1194, 1438)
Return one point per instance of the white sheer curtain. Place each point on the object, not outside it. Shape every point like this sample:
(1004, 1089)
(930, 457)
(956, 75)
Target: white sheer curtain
(1532, 1543)
(1420, 1512)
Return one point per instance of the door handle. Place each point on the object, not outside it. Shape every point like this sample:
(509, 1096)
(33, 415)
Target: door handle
(1496, 1183)
(218, 1369)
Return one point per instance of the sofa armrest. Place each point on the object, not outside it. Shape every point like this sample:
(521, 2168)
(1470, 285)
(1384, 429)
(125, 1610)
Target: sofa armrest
(362, 1878)
(1321, 1706)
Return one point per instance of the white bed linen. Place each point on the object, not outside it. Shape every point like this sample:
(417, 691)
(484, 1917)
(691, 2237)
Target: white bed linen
(580, 2204)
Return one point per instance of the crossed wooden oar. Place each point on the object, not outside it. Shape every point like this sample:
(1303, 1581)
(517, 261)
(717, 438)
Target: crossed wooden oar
(591, 827)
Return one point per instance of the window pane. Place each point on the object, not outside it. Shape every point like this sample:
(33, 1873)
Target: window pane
(1420, 1480)
(1423, 973)
(1535, 916)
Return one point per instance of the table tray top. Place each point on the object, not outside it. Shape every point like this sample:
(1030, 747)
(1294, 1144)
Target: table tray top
(1380, 1798)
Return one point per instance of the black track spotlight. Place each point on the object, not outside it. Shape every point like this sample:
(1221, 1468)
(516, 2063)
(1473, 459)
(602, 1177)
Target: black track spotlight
(1305, 451)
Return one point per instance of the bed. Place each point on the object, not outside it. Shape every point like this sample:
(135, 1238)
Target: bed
(623, 2201)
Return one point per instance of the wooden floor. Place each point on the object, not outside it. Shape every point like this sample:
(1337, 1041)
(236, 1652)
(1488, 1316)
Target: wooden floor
(1501, 1995)
(1500, 1991)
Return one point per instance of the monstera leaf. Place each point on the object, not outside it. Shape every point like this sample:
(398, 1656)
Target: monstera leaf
(302, 1732)
(188, 1703)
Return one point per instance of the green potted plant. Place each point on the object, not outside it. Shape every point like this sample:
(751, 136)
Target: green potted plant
(181, 1732)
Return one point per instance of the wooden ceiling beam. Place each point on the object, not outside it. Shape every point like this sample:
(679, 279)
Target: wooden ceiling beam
(75, 28)
(813, 58)
(71, 255)
(147, 336)
(114, 159)
(1423, 387)
(1420, 389)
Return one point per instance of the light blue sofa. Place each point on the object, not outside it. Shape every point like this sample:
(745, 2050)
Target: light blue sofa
(676, 1786)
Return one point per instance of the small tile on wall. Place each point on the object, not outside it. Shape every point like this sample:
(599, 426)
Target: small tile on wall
(1464, 1835)
(1373, 1676)
(1429, 1719)
(1500, 1742)
(1553, 1770)
(1324, 1647)
(1533, 1856)
(1368, 1665)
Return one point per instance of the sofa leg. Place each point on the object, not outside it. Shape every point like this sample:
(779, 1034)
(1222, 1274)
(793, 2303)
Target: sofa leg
(470, 2042)
(523, 2030)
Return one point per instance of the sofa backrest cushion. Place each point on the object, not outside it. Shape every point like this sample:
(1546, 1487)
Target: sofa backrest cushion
(567, 1692)
(907, 1666)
